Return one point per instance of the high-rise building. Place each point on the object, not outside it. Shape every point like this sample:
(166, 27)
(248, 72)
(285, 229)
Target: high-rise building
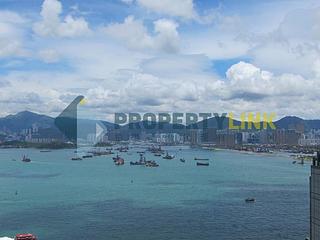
(315, 199)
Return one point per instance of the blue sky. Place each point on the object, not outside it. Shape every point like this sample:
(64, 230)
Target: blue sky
(169, 55)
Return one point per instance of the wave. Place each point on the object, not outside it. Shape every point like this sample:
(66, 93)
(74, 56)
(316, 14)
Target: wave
(6, 238)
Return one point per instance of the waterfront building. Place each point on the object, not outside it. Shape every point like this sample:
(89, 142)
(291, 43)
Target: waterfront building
(196, 136)
(310, 138)
(226, 138)
(168, 138)
(209, 135)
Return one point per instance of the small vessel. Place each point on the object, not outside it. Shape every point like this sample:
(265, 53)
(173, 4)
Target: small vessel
(201, 159)
(142, 161)
(250, 200)
(119, 162)
(202, 164)
(25, 159)
(151, 164)
(157, 154)
(167, 156)
(43, 151)
(116, 158)
(294, 162)
(87, 156)
(182, 160)
(76, 158)
(25, 236)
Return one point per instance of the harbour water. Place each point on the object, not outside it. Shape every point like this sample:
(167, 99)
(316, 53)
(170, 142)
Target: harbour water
(56, 198)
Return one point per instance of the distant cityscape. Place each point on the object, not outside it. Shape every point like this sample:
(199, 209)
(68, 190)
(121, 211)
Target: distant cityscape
(41, 130)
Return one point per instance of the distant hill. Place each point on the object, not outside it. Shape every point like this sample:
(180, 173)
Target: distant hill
(291, 121)
(23, 120)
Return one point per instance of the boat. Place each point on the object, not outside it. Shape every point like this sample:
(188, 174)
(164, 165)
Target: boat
(151, 164)
(116, 158)
(25, 236)
(157, 154)
(202, 164)
(76, 158)
(142, 161)
(119, 162)
(294, 162)
(25, 159)
(167, 156)
(250, 200)
(155, 150)
(43, 151)
(182, 160)
(87, 156)
(201, 159)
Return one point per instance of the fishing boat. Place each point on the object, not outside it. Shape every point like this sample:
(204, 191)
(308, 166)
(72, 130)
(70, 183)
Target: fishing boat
(87, 156)
(202, 164)
(76, 158)
(250, 200)
(25, 159)
(201, 159)
(26, 236)
(182, 160)
(167, 156)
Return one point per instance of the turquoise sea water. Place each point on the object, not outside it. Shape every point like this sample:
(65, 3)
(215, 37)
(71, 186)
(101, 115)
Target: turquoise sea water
(92, 199)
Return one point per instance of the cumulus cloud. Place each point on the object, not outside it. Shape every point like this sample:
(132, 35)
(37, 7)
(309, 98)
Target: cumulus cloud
(51, 24)
(136, 36)
(256, 89)
(245, 78)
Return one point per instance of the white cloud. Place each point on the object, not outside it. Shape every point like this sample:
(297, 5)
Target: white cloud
(49, 55)
(293, 46)
(136, 36)
(252, 89)
(167, 38)
(248, 80)
(52, 26)
(178, 8)
(11, 34)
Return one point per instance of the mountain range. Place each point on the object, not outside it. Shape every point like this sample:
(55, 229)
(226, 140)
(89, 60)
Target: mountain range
(23, 120)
